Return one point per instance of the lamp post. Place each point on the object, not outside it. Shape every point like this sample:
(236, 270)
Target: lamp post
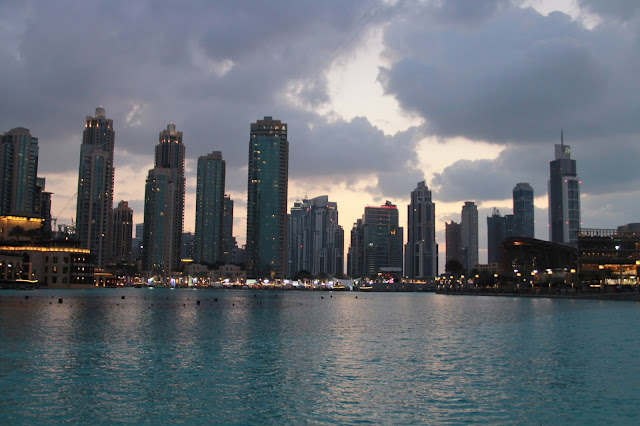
(495, 280)
(620, 262)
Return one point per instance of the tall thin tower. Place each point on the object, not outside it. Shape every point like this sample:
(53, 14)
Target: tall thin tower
(210, 208)
(469, 234)
(564, 196)
(267, 183)
(18, 171)
(164, 205)
(421, 253)
(95, 187)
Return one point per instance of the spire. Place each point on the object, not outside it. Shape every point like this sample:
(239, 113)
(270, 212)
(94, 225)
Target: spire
(561, 137)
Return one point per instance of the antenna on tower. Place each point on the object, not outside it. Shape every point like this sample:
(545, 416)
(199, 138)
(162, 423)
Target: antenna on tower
(561, 137)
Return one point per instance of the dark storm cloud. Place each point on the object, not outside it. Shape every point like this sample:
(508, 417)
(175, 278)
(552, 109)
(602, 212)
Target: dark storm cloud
(514, 77)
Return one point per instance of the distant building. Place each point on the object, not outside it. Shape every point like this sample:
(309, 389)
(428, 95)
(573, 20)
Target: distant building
(267, 183)
(210, 209)
(523, 211)
(421, 250)
(376, 241)
(469, 234)
(122, 229)
(43, 208)
(564, 196)
(164, 205)
(95, 187)
(498, 228)
(453, 236)
(315, 239)
(188, 245)
(136, 241)
(630, 227)
(18, 170)
(228, 240)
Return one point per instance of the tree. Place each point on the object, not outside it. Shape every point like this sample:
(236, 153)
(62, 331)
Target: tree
(454, 267)
(34, 234)
(17, 232)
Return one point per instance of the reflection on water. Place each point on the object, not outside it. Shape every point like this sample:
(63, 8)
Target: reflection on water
(141, 355)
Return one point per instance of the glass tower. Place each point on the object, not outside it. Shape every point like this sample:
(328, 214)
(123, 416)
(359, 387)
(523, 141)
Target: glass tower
(267, 182)
(564, 196)
(95, 187)
(210, 209)
(421, 253)
(469, 234)
(523, 210)
(164, 205)
(18, 170)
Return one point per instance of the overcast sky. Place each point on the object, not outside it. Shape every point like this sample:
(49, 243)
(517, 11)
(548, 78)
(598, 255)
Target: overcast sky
(378, 95)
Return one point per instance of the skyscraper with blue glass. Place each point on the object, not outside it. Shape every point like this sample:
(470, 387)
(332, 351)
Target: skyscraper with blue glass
(210, 209)
(267, 183)
(564, 196)
(95, 187)
(18, 171)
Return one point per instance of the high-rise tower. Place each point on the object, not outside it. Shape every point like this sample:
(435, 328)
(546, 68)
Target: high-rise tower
(267, 183)
(421, 252)
(469, 234)
(164, 205)
(122, 230)
(228, 242)
(18, 171)
(523, 210)
(95, 187)
(210, 209)
(564, 196)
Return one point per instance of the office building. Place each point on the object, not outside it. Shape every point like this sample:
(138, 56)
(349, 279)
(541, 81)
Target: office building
(315, 239)
(164, 205)
(267, 183)
(210, 209)
(95, 187)
(122, 230)
(228, 240)
(453, 236)
(421, 251)
(523, 216)
(564, 196)
(498, 228)
(469, 234)
(18, 170)
(43, 208)
(376, 242)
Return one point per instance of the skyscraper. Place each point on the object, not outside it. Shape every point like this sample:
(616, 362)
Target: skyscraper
(564, 196)
(43, 208)
(498, 228)
(122, 228)
(421, 252)
(95, 187)
(228, 241)
(453, 235)
(376, 241)
(18, 170)
(523, 210)
(164, 205)
(469, 234)
(210, 209)
(267, 184)
(315, 239)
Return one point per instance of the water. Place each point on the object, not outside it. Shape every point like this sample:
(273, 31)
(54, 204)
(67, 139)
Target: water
(300, 357)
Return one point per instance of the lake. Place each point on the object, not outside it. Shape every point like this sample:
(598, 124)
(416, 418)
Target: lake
(241, 356)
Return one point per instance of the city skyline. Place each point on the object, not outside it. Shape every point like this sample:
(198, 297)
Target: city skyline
(362, 130)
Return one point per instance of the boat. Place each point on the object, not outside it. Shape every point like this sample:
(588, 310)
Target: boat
(339, 287)
(365, 288)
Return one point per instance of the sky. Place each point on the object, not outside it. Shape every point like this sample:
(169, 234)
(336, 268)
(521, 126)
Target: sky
(469, 96)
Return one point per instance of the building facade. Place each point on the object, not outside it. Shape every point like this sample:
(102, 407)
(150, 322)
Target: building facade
(95, 187)
(18, 170)
(523, 211)
(453, 236)
(376, 241)
(421, 250)
(228, 240)
(498, 228)
(564, 196)
(469, 234)
(315, 240)
(164, 205)
(122, 227)
(209, 247)
(267, 183)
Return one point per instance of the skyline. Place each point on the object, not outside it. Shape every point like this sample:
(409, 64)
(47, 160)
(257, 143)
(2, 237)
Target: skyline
(472, 114)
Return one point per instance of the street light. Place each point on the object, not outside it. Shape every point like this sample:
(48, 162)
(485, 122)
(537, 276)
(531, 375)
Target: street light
(620, 262)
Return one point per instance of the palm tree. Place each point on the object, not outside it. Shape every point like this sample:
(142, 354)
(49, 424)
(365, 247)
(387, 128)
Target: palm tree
(33, 234)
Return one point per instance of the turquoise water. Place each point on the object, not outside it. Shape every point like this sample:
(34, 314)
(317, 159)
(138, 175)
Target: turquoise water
(299, 357)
